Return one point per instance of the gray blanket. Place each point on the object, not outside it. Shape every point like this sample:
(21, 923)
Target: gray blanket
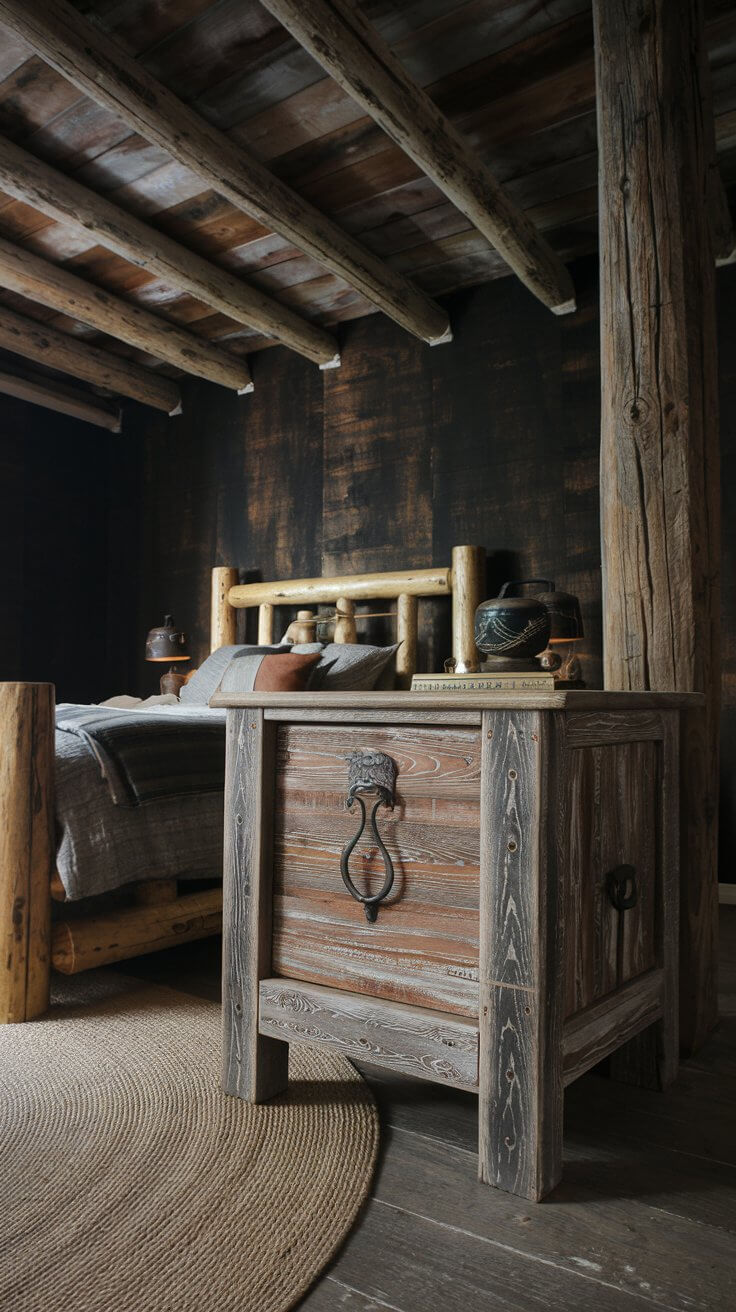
(102, 846)
(149, 756)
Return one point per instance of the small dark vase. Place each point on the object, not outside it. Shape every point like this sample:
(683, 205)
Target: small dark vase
(516, 627)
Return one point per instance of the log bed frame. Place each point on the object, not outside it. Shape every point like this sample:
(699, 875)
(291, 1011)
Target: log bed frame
(91, 933)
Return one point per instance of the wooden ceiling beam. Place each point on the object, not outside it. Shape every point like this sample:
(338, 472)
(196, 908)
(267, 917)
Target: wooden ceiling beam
(56, 396)
(95, 63)
(37, 184)
(350, 49)
(35, 278)
(48, 346)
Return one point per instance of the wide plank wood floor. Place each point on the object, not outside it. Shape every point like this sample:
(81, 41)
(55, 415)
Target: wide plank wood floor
(645, 1215)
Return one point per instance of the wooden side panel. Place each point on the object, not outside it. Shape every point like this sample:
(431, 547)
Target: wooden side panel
(408, 1040)
(254, 1068)
(522, 949)
(613, 814)
(423, 949)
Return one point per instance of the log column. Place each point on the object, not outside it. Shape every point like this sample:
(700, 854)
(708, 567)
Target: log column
(26, 847)
(659, 450)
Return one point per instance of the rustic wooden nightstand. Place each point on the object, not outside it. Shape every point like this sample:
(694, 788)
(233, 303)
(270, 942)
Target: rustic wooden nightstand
(511, 919)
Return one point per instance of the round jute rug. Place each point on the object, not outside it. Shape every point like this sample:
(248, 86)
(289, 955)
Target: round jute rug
(130, 1183)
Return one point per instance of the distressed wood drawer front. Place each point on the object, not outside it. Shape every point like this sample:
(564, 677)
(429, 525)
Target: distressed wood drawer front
(423, 948)
(613, 820)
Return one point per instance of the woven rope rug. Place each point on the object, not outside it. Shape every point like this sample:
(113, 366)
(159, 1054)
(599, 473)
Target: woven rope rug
(130, 1183)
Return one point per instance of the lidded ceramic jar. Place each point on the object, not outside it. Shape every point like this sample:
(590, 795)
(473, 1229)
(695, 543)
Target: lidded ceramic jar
(513, 627)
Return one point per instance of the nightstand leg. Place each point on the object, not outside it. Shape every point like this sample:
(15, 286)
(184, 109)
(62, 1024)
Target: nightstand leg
(521, 954)
(254, 1068)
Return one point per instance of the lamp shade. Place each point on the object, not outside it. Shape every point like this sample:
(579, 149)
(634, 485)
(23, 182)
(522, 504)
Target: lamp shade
(566, 620)
(166, 643)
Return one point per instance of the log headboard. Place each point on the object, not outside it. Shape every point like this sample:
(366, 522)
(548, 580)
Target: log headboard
(463, 579)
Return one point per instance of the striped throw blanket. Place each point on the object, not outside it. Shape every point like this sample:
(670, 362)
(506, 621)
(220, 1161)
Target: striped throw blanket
(148, 758)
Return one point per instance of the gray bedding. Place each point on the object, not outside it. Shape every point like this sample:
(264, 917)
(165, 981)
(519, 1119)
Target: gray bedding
(102, 846)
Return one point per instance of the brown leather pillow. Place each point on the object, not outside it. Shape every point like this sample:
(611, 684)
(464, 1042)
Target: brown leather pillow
(288, 673)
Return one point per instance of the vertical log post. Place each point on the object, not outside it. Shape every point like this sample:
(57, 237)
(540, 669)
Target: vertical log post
(407, 617)
(660, 516)
(26, 847)
(468, 583)
(222, 615)
(345, 626)
(265, 624)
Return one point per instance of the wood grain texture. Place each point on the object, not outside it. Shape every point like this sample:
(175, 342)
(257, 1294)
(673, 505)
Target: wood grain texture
(66, 200)
(613, 815)
(588, 729)
(423, 950)
(79, 51)
(404, 1039)
(652, 1058)
(222, 615)
(23, 272)
(660, 454)
(47, 346)
(51, 395)
(83, 943)
(254, 1067)
(26, 847)
(351, 50)
(612, 1021)
(522, 949)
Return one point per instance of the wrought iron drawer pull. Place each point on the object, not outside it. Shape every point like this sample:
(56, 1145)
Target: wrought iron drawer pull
(621, 886)
(375, 773)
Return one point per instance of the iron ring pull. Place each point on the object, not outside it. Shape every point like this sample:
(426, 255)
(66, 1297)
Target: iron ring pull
(374, 773)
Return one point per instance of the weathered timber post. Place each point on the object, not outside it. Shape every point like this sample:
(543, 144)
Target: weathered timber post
(660, 486)
(26, 847)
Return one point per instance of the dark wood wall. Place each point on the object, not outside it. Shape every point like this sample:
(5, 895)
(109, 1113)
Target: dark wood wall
(54, 522)
(390, 460)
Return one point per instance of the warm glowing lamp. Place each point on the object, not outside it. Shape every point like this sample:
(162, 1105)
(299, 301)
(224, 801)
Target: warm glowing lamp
(169, 644)
(566, 630)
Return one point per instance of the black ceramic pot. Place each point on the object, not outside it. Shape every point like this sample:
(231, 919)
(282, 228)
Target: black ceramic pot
(513, 626)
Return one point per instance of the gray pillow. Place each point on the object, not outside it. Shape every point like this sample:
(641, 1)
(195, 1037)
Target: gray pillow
(206, 681)
(350, 667)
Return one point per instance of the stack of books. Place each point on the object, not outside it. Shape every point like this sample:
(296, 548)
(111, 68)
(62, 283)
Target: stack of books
(543, 681)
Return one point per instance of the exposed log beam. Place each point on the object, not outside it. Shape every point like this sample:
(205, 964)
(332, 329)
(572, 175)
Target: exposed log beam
(51, 395)
(48, 346)
(356, 56)
(37, 184)
(23, 272)
(96, 64)
(660, 484)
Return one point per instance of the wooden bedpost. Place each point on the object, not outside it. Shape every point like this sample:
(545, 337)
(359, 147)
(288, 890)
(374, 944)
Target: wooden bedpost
(407, 626)
(468, 583)
(26, 847)
(222, 615)
(660, 516)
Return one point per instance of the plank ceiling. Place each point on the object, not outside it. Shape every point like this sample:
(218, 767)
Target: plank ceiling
(516, 76)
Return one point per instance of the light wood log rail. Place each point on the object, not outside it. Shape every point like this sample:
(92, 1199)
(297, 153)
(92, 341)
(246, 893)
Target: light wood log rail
(80, 943)
(464, 580)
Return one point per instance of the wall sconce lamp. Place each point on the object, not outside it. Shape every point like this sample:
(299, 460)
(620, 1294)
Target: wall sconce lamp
(167, 643)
